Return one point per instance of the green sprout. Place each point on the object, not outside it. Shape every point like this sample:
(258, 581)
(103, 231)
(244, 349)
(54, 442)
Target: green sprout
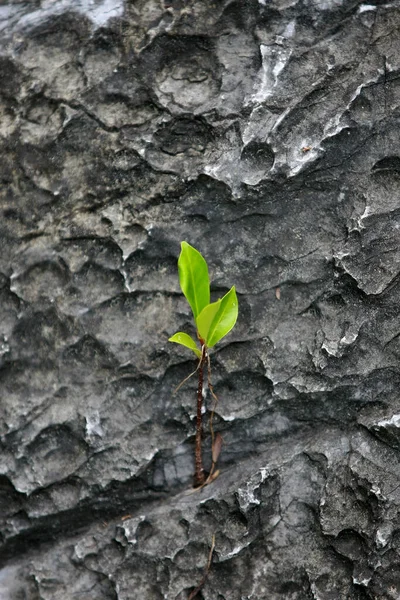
(213, 321)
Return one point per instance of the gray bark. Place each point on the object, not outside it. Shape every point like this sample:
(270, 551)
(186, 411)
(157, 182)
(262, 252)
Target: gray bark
(266, 134)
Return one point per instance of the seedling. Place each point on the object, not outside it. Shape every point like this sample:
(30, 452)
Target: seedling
(213, 321)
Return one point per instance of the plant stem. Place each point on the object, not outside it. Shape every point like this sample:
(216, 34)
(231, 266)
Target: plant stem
(199, 477)
(206, 572)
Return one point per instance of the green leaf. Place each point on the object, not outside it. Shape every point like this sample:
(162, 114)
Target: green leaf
(185, 340)
(224, 318)
(205, 319)
(193, 277)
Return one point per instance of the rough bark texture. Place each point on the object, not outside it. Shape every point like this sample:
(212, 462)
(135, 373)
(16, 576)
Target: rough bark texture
(266, 134)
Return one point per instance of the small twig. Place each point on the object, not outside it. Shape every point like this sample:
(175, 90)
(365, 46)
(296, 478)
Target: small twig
(188, 377)
(209, 480)
(199, 477)
(216, 441)
(206, 572)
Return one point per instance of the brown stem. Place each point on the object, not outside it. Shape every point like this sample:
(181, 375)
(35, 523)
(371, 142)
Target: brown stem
(199, 477)
(206, 572)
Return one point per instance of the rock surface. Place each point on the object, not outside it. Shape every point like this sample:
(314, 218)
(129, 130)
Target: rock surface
(265, 133)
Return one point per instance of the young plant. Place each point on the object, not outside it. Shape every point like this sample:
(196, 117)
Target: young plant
(213, 321)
